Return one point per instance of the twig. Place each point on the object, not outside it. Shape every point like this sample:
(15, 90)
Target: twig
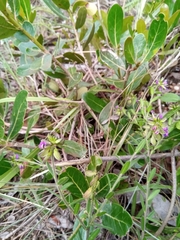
(62, 195)
(173, 198)
(114, 158)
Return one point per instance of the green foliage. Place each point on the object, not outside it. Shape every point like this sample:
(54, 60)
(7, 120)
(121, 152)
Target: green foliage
(7, 29)
(116, 219)
(18, 113)
(156, 36)
(74, 149)
(64, 4)
(115, 24)
(95, 103)
(54, 8)
(97, 70)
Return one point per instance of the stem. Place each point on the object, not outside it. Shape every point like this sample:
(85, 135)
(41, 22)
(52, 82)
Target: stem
(114, 158)
(173, 198)
(62, 195)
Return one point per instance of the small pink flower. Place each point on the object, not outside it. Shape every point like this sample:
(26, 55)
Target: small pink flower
(42, 144)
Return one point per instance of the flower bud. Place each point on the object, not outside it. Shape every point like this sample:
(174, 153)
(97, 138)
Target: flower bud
(91, 9)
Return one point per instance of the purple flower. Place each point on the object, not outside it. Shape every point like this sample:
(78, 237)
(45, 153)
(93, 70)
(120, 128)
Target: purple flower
(160, 116)
(166, 132)
(21, 167)
(42, 144)
(162, 84)
(17, 156)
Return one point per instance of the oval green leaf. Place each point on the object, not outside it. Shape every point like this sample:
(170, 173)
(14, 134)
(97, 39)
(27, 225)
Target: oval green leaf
(81, 17)
(78, 182)
(18, 113)
(95, 103)
(73, 148)
(105, 184)
(75, 57)
(139, 43)
(129, 50)
(116, 219)
(115, 24)
(156, 36)
(106, 113)
(170, 97)
(111, 60)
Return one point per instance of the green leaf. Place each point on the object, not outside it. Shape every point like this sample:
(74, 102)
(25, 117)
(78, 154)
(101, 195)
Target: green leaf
(29, 28)
(156, 36)
(2, 5)
(81, 17)
(4, 166)
(115, 24)
(78, 3)
(33, 117)
(139, 43)
(95, 103)
(178, 221)
(18, 113)
(32, 16)
(76, 77)
(173, 20)
(127, 21)
(106, 113)
(6, 29)
(136, 77)
(125, 167)
(25, 70)
(15, 6)
(46, 62)
(94, 234)
(170, 97)
(3, 91)
(79, 184)
(7, 176)
(153, 194)
(141, 26)
(57, 73)
(1, 129)
(73, 148)
(29, 169)
(95, 162)
(26, 6)
(178, 125)
(116, 219)
(75, 57)
(111, 60)
(105, 184)
(151, 174)
(116, 82)
(129, 50)
(91, 35)
(170, 4)
(54, 9)
(64, 4)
